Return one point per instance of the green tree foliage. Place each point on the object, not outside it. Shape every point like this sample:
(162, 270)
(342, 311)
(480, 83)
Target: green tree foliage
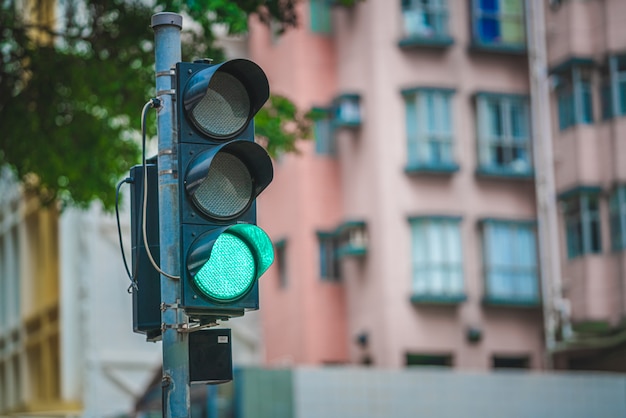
(71, 92)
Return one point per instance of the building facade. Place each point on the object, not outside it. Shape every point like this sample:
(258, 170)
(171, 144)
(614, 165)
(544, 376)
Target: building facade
(586, 63)
(66, 341)
(407, 231)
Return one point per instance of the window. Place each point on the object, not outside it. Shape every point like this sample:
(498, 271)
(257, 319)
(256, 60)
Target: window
(441, 360)
(616, 85)
(281, 262)
(582, 222)
(329, 262)
(502, 362)
(619, 74)
(323, 131)
(573, 95)
(606, 98)
(437, 258)
(321, 21)
(510, 262)
(429, 129)
(617, 210)
(425, 18)
(347, 110)
(499, 23)
(504, 146)
(351, 238)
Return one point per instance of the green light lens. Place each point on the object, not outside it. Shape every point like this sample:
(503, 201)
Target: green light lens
(229, 272)
(261, 243)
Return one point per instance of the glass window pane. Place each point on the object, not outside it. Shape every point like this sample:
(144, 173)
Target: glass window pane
(595, 240)
(512, 30)
(592, 204)
(495, 114)
(324, 141)
(622, 97)
(606, 100)
(587, 116)
(519, 120)
(445, 115)
(526, 251)
(429, 110)
(428, 128)
(511, 262)
(489, 5)
(411, 129)
(512, 21)
(437, 260)
(320, 16)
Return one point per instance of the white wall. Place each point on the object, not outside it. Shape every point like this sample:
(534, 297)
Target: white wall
(103, 361)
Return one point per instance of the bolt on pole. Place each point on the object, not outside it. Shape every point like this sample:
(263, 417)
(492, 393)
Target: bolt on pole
(176, 399)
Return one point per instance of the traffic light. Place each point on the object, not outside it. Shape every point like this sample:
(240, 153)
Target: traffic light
(221, 172)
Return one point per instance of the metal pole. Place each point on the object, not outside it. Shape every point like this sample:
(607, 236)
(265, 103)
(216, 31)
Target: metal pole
(547, 214)
(175, 382)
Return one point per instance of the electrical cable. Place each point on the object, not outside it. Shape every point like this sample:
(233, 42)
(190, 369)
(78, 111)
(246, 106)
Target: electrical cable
(119, 234)
(152, 103)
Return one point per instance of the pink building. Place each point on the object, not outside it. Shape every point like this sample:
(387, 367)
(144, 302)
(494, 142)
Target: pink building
(406, 233)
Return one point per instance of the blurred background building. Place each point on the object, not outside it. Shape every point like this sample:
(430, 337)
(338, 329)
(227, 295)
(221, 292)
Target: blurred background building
(410, 231)
(62, 298)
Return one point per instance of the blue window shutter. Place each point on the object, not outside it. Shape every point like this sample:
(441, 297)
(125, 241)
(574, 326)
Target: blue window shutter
(488, 22)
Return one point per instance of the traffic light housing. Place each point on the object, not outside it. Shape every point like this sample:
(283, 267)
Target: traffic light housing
(147, 295)
(221, 172)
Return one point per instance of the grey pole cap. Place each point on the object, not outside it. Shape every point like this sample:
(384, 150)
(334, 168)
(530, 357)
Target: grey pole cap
(166, 18)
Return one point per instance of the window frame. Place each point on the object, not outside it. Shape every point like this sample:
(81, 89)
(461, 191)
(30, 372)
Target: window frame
(477, 13)
(582, 224)
(418, 10)
(606, 95)
(574, 97)
(493, 146)
(425, 269)
(429, 129)
(517, 270)
(510, 362)
(617, 82)
(323, 131)
(617, 216)
(329, 262)
(415, 359)
(347, 111)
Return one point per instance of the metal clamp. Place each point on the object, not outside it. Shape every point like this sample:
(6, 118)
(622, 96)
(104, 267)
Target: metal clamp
(166, 151)
(188, 329)
(177, 327)
(165, 306)
(171, 92)
(166, 73)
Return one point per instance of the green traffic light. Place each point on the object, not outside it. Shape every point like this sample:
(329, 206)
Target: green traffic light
(237, 258)
(229, 272)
